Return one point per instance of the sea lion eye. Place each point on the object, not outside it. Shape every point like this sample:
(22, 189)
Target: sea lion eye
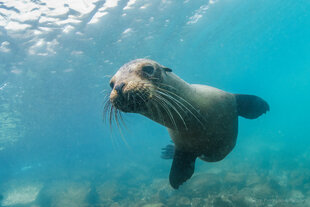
(112, 85)
(148, 69)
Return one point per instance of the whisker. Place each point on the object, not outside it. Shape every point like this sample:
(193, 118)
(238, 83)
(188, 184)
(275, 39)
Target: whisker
(120, 115)
(164, 90)
(106, 108)
(107, 115)
(138, 94)
(111, 116)
(116, 119)
(163, 104)
(106, 91)
(107, 76)
(158, 110)
(119, 127)
(168, 86)
(163, 84)
(134, 103)
(179, 104)
(106, 97)
(181, 99)
(174, 108)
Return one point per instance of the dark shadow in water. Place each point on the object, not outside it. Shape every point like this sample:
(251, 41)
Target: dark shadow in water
(44, 199)
(1, 198)
(93, 197)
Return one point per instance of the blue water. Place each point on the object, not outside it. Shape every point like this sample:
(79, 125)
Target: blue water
(55, 64)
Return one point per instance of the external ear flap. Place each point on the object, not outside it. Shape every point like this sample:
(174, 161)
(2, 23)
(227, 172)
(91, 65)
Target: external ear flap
(167, 69)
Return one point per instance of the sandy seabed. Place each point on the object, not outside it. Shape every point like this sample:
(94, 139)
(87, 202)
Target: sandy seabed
(230, 183)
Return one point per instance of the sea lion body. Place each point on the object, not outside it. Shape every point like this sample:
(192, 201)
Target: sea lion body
(202, 121)
(217, 127)
(217, 137)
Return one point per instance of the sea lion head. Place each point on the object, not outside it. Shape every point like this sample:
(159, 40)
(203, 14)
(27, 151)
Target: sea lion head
(135, 83)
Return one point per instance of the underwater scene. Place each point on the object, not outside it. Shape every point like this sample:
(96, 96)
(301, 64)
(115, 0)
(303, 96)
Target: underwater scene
(78, 131)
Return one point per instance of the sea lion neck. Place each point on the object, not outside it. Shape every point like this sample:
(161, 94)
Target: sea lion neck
(176, 82)
(168, 102)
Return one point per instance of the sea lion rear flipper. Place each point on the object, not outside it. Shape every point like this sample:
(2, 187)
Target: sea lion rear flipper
(250, 106)
(182, 168)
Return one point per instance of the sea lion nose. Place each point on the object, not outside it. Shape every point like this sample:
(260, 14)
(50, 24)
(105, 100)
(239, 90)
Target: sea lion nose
(119, 88)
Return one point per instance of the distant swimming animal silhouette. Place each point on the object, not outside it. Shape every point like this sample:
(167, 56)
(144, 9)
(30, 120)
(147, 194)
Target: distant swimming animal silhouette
(202, 121)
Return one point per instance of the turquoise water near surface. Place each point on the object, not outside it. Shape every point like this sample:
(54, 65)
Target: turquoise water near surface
(56, 60)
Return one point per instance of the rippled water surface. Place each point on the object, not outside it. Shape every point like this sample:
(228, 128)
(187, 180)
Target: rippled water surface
(56, 59)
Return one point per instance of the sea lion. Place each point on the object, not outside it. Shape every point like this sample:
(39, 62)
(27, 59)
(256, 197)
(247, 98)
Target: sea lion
(202, 121)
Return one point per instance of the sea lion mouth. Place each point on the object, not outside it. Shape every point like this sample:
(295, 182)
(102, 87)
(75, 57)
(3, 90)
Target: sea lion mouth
(134, 101)
(128, 101)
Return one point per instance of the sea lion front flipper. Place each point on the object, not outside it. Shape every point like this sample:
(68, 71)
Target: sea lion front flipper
(167, 152)
(250, 106)
(182, 168)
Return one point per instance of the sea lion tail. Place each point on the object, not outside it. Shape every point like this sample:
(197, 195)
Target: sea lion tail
(250, 106)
